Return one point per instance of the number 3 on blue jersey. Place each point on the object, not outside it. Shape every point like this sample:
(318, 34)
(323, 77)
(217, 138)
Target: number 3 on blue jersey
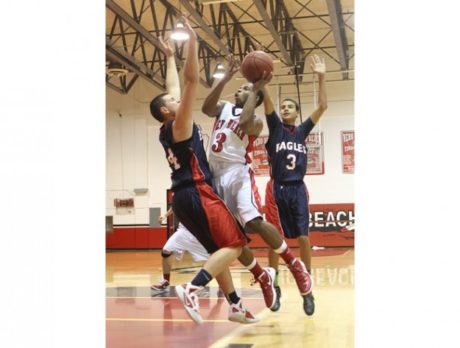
(292, 158)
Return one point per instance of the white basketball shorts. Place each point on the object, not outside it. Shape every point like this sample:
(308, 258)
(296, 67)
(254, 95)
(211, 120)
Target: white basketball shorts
(181, 241)
(235, 184)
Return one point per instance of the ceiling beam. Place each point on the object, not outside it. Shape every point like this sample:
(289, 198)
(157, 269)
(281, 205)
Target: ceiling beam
(133, 66)
(261, 8)
(338, 28)
(199, 20)
(132, 22)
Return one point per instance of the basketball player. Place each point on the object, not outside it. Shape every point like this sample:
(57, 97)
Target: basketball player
(286, 199)
(194, 202)
(235, 128)
(180, 242)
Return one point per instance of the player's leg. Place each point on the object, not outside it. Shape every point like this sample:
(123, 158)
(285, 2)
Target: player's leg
(300, 230)
(236, 311)
(208, 219)
(229, 186)
(166, 260)
(305, 254)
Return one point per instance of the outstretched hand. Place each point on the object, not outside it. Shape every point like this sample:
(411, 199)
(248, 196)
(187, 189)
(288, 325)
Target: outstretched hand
(317, 65)
(188, 27)
(264, 80)
(167, 48)
(232, 68)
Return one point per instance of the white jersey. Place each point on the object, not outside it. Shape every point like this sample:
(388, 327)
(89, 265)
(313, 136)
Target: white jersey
(229, 143)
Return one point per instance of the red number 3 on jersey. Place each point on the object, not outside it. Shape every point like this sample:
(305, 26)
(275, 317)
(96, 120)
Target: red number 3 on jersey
(218, 145)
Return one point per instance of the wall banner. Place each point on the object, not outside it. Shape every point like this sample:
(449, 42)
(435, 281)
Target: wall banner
(348, 152)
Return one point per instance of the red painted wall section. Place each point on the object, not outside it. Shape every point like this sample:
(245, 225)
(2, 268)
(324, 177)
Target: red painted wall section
(136, 237)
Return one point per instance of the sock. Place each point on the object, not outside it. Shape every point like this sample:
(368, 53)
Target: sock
(255, 269)
(285, 253)
(233, 297)
(202, 278)
(275, 283)
(166, 276)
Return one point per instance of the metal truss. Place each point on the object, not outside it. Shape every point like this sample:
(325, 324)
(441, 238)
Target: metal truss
(222, 28)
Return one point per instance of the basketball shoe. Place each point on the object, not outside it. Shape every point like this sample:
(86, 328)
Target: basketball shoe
(309, 304)
(301, 276)
(162, 286)
(238, 314)
(266, 284)
(189, 298)
(277, 305)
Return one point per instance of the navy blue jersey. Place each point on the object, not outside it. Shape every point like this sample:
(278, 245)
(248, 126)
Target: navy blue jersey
(286, 149)
(187, 158)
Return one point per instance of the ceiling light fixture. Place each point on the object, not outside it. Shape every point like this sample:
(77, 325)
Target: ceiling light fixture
(179, 34)
(219, 72)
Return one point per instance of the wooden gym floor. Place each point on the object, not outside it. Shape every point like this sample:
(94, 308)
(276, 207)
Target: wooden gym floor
(137, 318)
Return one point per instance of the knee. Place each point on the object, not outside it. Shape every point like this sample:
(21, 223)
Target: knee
(255, 224)
(165, 253)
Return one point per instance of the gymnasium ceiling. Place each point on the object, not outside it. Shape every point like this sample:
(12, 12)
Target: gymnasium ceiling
(290, 31)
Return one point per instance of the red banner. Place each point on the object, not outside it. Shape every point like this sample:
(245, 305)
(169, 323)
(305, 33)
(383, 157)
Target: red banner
(315, 150)
(348, 152)
(259, 157)
(332, 224)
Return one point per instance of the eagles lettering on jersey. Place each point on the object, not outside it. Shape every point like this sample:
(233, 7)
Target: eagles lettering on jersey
(187, 158)
(286, 149)
(229, 143)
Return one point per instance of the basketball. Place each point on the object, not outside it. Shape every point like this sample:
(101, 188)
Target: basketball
(254, 64)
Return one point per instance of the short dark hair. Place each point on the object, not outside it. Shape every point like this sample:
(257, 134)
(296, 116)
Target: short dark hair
(260, 97)
(155, 106)
(292, 100)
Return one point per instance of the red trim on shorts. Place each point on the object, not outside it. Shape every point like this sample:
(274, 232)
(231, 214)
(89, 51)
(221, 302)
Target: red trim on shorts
(249, 148)
(271, 209)
(255, 190)
(223, 227)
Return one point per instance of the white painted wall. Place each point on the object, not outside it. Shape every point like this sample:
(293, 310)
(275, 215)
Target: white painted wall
(135, 158)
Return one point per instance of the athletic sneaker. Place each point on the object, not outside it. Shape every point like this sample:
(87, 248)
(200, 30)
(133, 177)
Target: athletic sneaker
(266, 284)
(301, 276)
(189, 298)
(277, 305)
(238, 314)
(309, 304)
(162, 286)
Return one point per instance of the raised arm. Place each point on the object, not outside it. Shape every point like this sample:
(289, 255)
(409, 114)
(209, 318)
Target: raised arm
(249, 122)
(182, 127)
(212, 105)
(268, 101)
(319, 67)
(172, 76)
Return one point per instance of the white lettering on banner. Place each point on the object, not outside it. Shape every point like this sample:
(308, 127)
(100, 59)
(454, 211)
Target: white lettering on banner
(348, 137)
(333, 219)
(349, 148)
(318, 217)
(340, 220)
(330, 219)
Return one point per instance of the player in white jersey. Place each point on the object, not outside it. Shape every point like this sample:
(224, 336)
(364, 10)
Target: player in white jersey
(235, 129)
